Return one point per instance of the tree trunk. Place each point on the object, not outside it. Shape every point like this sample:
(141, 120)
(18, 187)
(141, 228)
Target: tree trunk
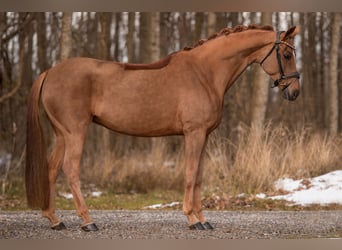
(66, 38)
(3, 72)
(164, 34)
(221, 21)
(130, 37)
(155, 37)
(104, 36)
(184, 29)
(41, 36)
(260, 89)
(234, 18)
(333, 74)
(145, 37)
(117, 36)
(211, 23)
(322, 70)
(199, 20)
(149, 37)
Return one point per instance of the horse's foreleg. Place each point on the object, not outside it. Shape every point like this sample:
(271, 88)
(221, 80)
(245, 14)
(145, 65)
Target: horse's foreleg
(197, 193)
(73, 151)
(194, 146)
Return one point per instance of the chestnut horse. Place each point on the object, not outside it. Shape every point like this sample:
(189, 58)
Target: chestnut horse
(179, 95)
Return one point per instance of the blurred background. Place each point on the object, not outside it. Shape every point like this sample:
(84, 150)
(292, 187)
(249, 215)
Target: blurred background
(261, 137)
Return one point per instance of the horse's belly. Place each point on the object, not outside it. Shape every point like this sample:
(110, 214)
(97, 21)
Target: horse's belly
(140, 121)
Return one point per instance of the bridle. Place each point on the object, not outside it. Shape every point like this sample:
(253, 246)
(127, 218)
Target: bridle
(295, 75)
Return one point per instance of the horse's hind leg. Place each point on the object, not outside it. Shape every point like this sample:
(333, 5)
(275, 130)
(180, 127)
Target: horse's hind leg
(73, 150)
(55, 162)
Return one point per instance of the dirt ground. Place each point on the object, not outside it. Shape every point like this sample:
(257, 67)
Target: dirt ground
(160, 224)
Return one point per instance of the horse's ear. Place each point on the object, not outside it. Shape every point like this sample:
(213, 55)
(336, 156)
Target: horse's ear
(291, 32)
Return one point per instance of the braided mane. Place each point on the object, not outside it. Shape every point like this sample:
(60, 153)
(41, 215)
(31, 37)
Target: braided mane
(227, 31)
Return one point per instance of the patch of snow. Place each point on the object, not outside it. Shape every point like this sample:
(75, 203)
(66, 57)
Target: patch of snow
(96, 193)
(325, 189)
(69, 195)
(261, 196)
(157, 206)
(242, 195)
(65, 195)
(288, 184)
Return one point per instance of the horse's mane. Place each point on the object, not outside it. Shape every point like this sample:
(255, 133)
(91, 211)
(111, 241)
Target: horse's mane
(228, 30)
(165, 61)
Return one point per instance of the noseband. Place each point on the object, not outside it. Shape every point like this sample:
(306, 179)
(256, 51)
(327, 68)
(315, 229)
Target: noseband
(280, 66)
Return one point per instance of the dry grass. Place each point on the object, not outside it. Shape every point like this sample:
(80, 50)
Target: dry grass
(256, 160)
(139, 170)
(250, 163)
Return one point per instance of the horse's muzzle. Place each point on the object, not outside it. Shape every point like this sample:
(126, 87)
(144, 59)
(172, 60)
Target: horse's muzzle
(290, 95)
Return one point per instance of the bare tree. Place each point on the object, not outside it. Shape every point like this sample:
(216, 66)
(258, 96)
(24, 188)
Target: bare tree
(165, 33)
(145, 37)
(41, 36)
(130, 37)
(260, 88)
(211, 23)
(66, 38)
(149, 37)
(155, 37)
(6, 71)
(199, 21)
(104, 36)
(184, 28)
(333, 73)
(117, 36)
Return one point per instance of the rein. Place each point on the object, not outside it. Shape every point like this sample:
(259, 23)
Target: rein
(280, 66)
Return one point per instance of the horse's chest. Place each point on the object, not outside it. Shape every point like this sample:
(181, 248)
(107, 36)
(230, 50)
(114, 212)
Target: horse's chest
(202, 112)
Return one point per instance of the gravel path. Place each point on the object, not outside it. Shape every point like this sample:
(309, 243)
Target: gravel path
(172, 225)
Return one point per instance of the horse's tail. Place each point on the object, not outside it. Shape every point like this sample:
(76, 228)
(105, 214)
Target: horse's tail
(36, 170)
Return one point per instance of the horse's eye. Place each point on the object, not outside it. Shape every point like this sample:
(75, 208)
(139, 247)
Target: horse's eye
(287, 56)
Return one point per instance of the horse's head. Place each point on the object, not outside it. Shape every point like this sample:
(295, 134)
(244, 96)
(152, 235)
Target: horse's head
(280, 64)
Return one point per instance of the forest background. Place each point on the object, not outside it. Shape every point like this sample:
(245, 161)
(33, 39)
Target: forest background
(261, 138)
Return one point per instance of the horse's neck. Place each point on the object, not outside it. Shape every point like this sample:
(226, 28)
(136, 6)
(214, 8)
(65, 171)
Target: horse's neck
(227, 58)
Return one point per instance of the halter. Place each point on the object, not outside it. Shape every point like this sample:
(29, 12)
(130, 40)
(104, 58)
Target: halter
(280, 67)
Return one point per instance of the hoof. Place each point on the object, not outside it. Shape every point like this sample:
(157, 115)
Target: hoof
(207, 226)
(58, 226)
(197, 226)
(89, 227)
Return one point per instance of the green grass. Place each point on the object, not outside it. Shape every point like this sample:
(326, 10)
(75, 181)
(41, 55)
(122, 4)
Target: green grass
(112, 201)
(14, 199)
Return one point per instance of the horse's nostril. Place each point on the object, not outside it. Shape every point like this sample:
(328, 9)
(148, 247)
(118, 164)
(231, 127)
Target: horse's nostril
(295, 94)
